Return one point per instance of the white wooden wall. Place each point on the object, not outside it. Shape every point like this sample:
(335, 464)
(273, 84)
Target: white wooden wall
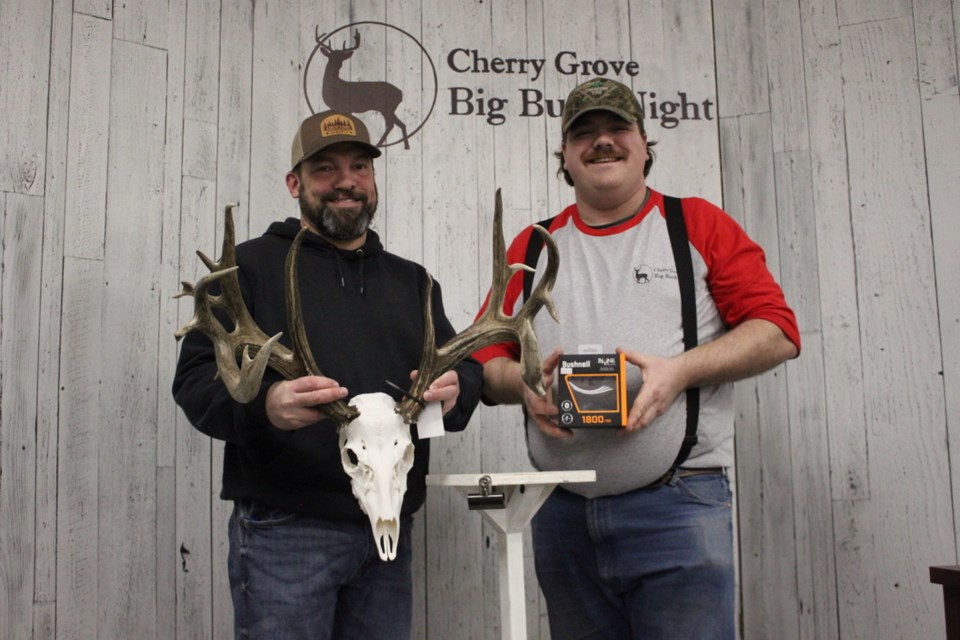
(834, 138)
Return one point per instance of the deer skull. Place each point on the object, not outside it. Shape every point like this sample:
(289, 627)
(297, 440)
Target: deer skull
(375, 444)
(377, 452)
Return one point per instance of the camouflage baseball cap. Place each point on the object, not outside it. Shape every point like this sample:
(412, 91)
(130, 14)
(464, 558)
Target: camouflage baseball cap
(323, 129)
(602, 94)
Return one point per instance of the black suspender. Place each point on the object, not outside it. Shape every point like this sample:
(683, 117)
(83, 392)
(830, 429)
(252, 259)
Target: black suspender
(688, 313)
(688, 303)
(534, 246)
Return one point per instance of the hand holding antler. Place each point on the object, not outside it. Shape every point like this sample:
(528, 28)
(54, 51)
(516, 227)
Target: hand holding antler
(294, 404)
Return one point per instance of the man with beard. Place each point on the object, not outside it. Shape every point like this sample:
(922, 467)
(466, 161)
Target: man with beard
(303, 562)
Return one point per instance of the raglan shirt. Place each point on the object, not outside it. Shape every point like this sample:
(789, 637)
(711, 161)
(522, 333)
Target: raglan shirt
(617, 287)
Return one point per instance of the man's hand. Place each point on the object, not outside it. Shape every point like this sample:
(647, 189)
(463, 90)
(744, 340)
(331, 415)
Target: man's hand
(747, 350)
(291, 404)
(503, 383)
(543, 410)
(662, 382)
(446, 389)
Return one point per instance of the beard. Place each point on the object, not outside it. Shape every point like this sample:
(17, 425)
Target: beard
(337, 223)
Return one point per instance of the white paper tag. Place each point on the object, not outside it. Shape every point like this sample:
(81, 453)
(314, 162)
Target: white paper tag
(430, 422)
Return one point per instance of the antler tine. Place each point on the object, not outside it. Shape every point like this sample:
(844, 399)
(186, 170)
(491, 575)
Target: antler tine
(493, 325)
(356, 42)
(339, 411)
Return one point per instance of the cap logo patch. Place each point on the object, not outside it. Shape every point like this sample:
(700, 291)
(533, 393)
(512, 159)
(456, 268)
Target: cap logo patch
(337, 126)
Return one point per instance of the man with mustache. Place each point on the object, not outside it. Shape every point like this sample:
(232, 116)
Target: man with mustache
(303, 562)
(647, 550)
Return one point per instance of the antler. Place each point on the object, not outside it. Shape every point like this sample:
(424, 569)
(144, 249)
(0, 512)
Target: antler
(493, 325)
(242, 379)
(356, 43)
(338, 411)
(320, 37)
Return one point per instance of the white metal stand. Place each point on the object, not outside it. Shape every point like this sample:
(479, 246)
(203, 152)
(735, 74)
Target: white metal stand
(524, 493)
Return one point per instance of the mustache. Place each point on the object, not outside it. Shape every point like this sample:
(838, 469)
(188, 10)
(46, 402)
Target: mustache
(338, 194)
(602, 154)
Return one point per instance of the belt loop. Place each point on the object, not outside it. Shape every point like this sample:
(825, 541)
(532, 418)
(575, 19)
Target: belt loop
(673, 474)
(666, 478)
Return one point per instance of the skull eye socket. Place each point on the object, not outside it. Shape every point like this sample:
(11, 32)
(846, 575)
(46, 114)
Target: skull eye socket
(354, 460)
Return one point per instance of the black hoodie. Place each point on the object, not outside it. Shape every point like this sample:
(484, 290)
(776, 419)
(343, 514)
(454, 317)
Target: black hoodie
(363, 315)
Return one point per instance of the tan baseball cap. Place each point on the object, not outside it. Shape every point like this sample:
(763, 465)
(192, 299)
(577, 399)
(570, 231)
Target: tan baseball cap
(326, 128)
(602, 94)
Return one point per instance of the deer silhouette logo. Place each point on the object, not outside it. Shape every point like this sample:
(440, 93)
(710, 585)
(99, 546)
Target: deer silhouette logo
(642, 274)
(358, 97)
(339, 93)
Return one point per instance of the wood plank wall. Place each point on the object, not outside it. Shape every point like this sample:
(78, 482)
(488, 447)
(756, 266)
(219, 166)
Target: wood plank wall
(832, 134)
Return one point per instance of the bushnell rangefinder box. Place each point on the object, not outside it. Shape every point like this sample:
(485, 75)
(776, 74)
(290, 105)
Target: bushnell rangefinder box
(592, 390)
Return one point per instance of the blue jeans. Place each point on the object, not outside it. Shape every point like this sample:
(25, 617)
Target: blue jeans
(651, 563)
(296, 577)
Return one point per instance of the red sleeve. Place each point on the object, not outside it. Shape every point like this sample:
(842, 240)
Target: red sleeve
(740, 282)
(515, 255)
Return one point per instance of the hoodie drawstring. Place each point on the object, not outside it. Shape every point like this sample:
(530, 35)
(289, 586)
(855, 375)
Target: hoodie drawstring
(360, 257)
(343, 280)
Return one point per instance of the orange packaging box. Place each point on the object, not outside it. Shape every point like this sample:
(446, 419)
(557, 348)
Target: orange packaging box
(592, 391)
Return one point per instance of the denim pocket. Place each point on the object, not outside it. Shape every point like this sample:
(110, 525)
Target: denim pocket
(255, 515)
(713, 490)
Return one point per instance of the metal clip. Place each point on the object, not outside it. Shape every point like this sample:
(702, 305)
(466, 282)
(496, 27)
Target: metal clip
(488, 498)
